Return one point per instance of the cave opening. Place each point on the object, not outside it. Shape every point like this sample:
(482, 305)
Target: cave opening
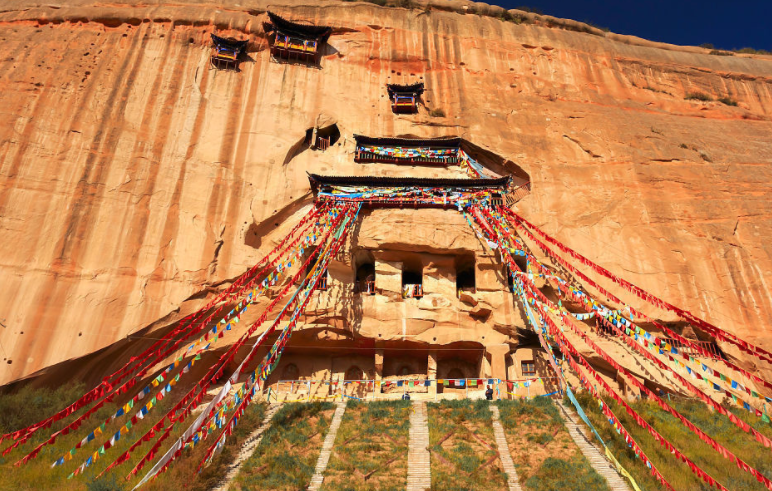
(412, 279)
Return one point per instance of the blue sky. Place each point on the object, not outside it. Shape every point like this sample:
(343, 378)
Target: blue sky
(727, 25)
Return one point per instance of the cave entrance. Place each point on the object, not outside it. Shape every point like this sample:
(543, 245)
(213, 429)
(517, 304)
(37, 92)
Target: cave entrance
(365, 274)
(323, 138)
(465, 277)
(313, 253)
(412, 278)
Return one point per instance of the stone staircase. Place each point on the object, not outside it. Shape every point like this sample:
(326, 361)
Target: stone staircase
(329, 440)
(504, 454)
(419, 472)
(248, 448)
(596, 458)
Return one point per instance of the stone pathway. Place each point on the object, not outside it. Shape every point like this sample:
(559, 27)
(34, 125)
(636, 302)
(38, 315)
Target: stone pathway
(329, 440)
(504, 454)
(597, 459)
(419, 471)
(248, 448)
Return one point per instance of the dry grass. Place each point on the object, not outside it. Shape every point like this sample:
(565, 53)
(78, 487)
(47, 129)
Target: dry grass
(463, 448)
(371, 448)
(287, 454)
(37, 474)
(677, 473)
(545, 456)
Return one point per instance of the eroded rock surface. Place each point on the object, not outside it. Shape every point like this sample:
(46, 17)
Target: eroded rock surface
(132, 175)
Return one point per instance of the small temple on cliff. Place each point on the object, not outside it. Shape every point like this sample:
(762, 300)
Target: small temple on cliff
(404, 98)
(226, 51)
(295, 41)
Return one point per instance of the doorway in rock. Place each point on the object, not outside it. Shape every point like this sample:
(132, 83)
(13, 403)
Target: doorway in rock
(365, 273)
(465, 277)
(412, 278)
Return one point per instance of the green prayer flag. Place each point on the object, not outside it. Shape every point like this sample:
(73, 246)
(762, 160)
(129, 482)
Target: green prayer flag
(764, 417)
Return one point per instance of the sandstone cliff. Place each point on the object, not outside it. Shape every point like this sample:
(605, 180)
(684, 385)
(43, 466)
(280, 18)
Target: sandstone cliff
(132, 175)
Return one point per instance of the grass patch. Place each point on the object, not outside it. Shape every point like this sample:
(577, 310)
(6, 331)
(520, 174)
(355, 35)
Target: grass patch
(697, 96)
(436, 113)
(562, 474)
(463, 447)
(545, 456)
(727, 100)
(371, 447)
(28, 405)
(676, 472)
(287, 454)
(37, 474)
(753, 51)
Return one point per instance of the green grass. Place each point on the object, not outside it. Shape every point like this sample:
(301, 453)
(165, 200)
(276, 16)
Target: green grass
(287, 454)
(698, 96)
(561, 474)
(37, 474)
(544, 454)
(371, 447)
(28, 406)
(727, 100)
(461, 461)
(677, 473)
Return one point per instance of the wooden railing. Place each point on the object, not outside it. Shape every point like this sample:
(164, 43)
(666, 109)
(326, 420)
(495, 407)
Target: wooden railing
(518, 193)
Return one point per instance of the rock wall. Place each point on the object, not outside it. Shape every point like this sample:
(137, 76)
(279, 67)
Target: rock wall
(132, 175)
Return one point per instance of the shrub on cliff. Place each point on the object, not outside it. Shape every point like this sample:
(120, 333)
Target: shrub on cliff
(753, 51)
(698, 96)
(727, 100)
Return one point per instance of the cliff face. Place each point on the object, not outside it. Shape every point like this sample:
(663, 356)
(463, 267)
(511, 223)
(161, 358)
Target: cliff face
(132, 175)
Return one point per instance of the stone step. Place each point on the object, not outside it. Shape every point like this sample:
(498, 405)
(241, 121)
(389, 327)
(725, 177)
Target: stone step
(324, 456)
(597, 460)
(419, 471)
(504, 453)
(248, 448)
